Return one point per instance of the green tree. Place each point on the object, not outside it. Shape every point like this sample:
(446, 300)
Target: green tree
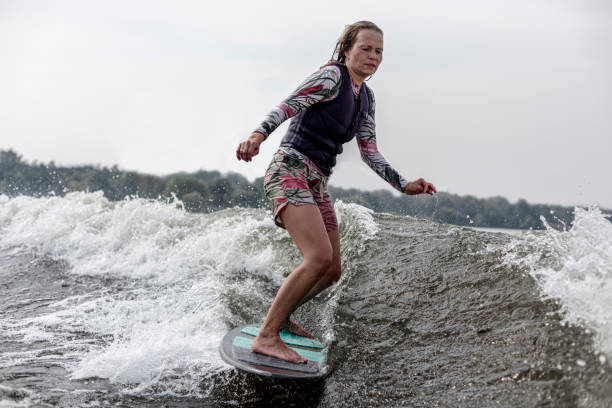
(181, 185)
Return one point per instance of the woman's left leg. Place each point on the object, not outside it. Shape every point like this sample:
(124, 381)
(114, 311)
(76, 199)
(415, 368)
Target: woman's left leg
(306, 227)
(331, 276)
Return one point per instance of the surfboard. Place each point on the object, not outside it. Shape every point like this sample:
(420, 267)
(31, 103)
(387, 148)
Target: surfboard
(235, 349)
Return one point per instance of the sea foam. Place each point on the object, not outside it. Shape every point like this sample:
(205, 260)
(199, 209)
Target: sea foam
(176, 282)
(166, 316)
(573, 266)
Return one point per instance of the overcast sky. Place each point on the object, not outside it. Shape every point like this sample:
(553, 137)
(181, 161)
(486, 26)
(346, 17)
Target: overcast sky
(481, 97)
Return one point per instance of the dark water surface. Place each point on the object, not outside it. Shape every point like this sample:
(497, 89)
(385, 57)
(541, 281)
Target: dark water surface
(124, 304)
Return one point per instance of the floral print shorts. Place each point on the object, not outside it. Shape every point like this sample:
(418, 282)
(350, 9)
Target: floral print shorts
(294, 178)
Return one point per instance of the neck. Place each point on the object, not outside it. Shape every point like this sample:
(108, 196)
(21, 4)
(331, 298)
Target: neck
(358, 80)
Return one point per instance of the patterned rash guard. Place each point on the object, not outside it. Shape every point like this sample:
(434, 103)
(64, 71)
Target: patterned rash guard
(324, 85)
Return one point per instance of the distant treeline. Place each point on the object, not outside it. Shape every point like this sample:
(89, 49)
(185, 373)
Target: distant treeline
(207, 191)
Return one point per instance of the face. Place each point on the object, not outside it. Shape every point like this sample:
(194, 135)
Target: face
(365, 56)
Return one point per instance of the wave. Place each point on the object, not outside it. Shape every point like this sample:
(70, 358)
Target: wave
(574, 267)
(138, 294)
(174, 282)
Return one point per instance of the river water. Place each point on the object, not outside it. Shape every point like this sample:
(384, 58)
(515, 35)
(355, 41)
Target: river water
(124, 304)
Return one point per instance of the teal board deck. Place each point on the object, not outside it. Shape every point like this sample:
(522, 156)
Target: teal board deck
(287, 337)
(235, 349)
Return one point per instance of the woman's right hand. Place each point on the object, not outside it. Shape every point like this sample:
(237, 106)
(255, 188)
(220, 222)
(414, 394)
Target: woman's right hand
(250, 147)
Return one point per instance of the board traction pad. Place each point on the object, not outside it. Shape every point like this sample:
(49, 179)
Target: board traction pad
(245, 343)
(288, 338)
(259, 359)
(235, 349)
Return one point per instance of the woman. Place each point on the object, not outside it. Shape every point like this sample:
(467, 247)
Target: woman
(331, 107)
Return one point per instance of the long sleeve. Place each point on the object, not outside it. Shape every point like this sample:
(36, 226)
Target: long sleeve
(323, 85)
(366, 139)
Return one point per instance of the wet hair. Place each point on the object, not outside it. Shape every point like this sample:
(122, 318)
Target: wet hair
(348, 38)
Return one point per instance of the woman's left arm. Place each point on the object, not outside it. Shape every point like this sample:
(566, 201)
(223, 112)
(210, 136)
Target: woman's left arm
(366, 139)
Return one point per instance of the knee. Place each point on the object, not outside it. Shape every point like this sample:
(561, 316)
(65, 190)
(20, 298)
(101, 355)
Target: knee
(320, 261)
(333, 273)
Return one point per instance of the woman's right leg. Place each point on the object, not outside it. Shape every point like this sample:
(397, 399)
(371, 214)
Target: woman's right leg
(306, 227)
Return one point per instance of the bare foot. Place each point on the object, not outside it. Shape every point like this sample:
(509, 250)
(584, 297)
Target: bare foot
(296, 329)
(273, 346)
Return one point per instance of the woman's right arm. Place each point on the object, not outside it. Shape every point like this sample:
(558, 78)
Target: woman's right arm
(323, 85)
(250, 147)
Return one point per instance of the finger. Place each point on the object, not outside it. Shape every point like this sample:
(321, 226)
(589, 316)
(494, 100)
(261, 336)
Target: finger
(245, 152)
(253, 150)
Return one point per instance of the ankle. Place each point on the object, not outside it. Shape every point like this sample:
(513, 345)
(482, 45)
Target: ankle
(268, 332)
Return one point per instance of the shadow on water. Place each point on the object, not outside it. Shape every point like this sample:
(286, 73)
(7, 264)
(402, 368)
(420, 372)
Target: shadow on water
(234, 388)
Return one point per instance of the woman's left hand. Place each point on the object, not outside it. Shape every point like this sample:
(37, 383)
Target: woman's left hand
(419, 186)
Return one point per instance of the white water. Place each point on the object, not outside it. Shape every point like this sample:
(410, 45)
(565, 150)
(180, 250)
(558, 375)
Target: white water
(575, 267)
(170, 317)
(157, 327)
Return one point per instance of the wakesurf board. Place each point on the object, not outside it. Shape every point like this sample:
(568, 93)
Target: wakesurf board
(235, 349)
